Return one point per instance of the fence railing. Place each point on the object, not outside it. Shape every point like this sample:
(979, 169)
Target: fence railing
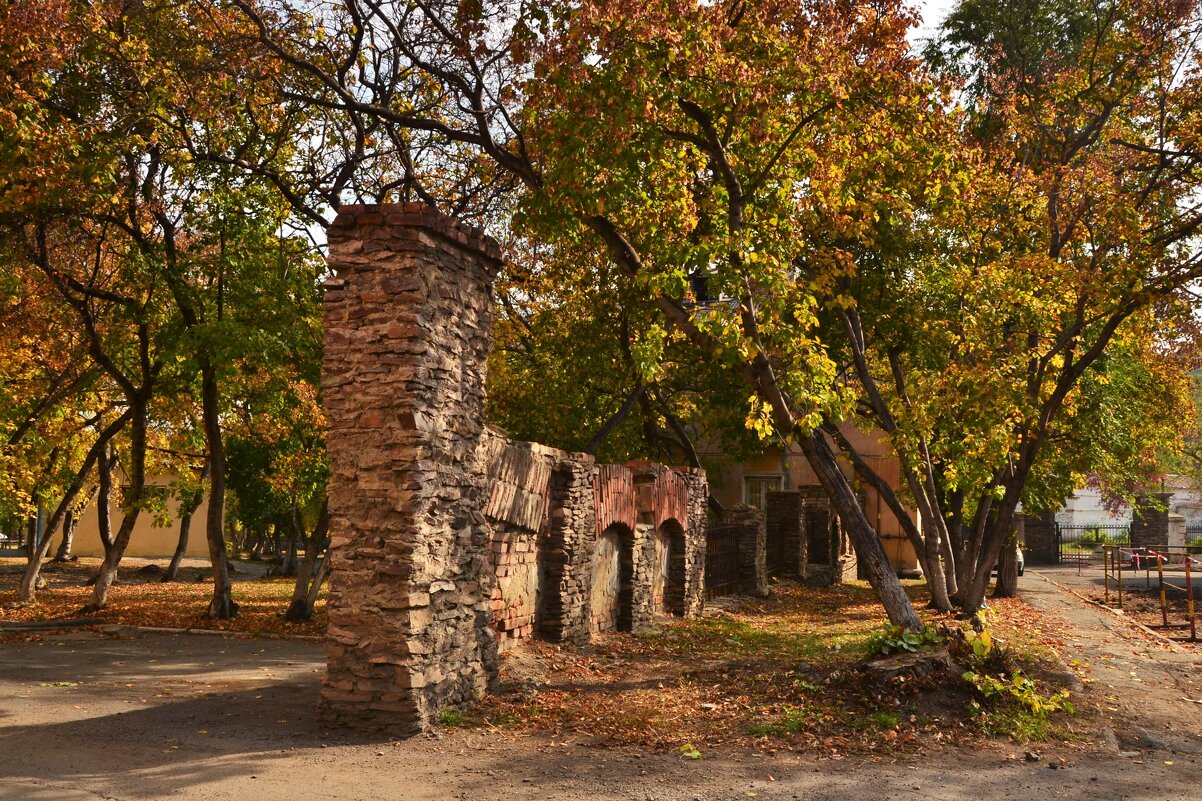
(1078, 543)
(1175, 567)
(722, 559)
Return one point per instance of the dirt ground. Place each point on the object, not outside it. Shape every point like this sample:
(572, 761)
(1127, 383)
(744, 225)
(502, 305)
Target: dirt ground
(148, 716)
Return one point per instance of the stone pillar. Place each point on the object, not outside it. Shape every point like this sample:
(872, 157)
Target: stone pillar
(1037, 533)
(569, 554)
(407, 333)
(753, 570)
(1150, 521)
(694, 539)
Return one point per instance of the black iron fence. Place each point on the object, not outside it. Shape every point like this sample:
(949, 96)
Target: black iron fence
(722, 559)
(1077, 543)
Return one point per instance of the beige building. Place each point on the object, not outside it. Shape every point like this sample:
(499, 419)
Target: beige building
(148, 540)
(787, 469)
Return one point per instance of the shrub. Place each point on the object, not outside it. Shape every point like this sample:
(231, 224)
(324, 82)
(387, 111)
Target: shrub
(896, 639)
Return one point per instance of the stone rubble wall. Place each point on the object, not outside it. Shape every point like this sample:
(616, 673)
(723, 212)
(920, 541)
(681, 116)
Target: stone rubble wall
(449, 541)
(408, 325)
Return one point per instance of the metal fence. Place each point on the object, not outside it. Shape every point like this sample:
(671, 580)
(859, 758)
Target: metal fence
(1079, 543)
(722, 559)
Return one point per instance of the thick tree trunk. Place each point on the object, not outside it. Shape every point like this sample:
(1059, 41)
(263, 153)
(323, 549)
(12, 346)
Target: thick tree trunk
(185, 527)
(222, 606)
(1007, 572)
(64, 546)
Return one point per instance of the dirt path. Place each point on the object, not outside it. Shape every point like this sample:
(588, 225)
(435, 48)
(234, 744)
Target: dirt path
(1151, 691)
(88, 717)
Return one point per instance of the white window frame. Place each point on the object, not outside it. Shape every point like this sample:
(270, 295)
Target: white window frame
(779, 480)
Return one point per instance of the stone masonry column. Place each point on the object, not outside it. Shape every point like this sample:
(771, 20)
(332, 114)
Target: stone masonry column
(408, 321)
(1150, 520)
(753, 569)
(694, 540)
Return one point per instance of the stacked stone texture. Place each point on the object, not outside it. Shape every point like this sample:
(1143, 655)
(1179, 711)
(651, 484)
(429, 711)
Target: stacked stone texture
(408, 330)
(448, 539)
(695, 523)
(753, 571)
(568, 556)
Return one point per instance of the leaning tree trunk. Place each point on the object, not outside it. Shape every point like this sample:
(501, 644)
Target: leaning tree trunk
(106, 576)
(998, 532)
(97, 454)
(222, 606)
(185, 526)
(64, 548)
(70, 523)
(864, 537)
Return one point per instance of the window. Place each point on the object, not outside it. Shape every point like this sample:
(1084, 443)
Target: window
(756, 489)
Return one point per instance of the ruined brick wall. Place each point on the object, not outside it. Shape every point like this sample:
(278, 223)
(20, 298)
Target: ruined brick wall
(450, 541)
(408, 329)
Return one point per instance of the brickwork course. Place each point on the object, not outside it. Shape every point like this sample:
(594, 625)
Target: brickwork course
(450, 542)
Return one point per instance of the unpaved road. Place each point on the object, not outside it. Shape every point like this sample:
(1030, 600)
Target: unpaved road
(87, 716)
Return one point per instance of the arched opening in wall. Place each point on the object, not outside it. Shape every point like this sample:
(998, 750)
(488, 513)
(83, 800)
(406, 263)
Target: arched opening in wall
(668, 589)
(612, 602)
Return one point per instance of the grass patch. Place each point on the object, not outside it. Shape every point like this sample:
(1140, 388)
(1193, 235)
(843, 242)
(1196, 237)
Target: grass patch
(450, 718)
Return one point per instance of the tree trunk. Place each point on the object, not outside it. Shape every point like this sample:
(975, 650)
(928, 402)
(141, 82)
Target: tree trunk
(106, 576)
(222, 606)
(64, 547)
(296, 532)
(312, 571)
(999, 531)
(70, 522)
(948, 550)
(185, 526)
(31, 534)
(97, 454)
(1007, 571)
(867, 543)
